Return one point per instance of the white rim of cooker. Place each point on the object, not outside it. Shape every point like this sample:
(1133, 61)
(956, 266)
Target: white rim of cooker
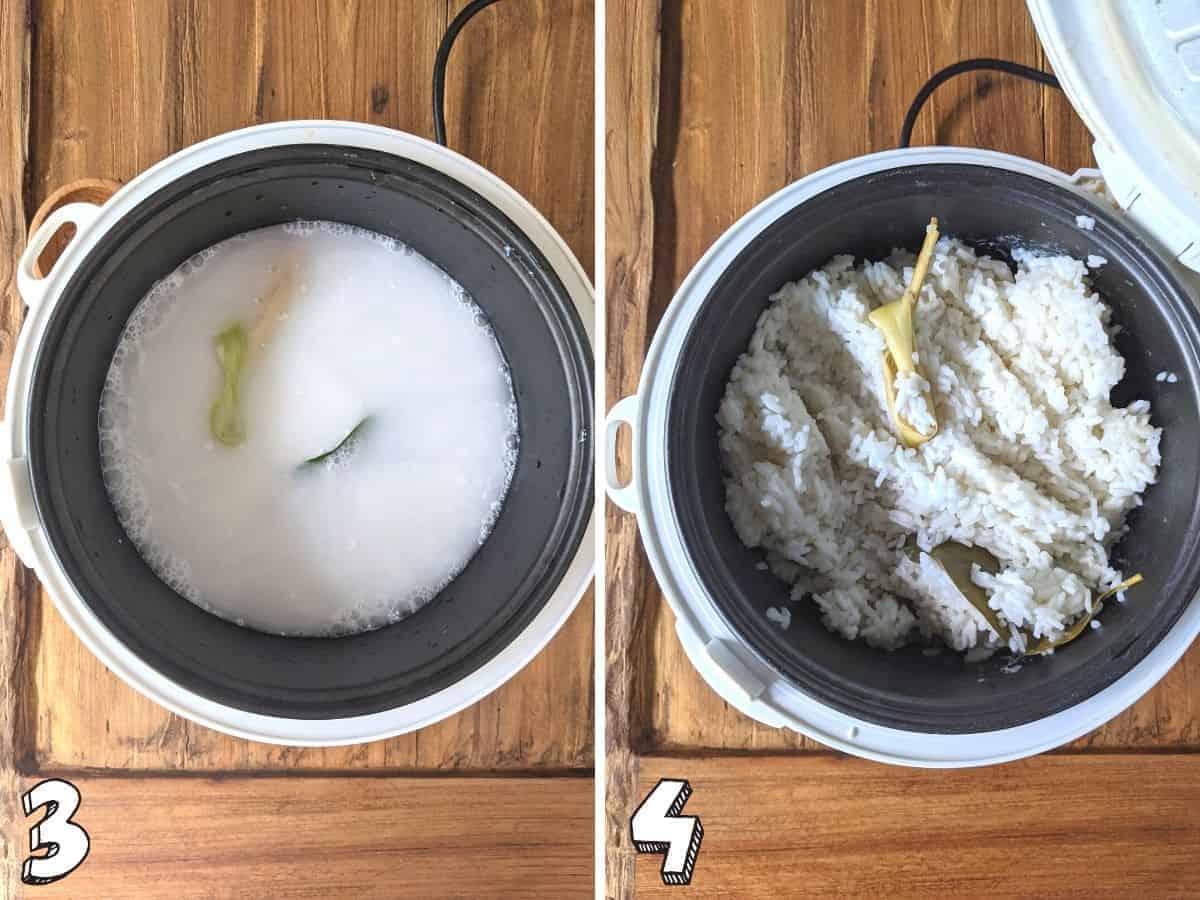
(19, 515)
(720, 655)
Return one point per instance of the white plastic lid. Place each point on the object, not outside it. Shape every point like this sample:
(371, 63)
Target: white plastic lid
(1132, 72)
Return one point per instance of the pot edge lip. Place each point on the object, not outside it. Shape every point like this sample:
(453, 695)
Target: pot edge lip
(713, 649)
(33, 547)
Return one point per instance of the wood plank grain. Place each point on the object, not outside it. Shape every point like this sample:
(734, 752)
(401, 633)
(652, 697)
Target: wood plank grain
(539, 720)
(519, 92)
(631, 107)
(818, 826)
(327, 837)
(1068, 142)
(744, 111)
(122, 85)
(16, 585)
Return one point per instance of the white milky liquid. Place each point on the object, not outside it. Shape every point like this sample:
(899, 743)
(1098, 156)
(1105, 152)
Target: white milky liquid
(368, 330)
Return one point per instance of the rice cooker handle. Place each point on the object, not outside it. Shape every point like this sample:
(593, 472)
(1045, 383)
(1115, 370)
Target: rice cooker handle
(624, 413)
(32, 288)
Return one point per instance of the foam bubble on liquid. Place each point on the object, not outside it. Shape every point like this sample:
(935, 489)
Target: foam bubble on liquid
(249, 533)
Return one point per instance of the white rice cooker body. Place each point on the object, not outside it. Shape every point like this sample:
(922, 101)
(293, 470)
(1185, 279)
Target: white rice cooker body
(720, 655)
(18, 512)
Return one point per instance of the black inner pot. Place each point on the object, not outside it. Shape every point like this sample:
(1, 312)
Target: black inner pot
(545, 513)
(993, 210)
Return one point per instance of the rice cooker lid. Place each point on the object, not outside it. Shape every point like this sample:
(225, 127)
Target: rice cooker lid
(1132, 72)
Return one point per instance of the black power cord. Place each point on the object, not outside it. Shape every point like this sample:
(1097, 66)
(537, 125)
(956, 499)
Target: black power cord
(439, 65)
(958, 68)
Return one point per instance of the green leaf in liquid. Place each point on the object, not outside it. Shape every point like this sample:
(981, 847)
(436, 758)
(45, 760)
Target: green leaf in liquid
(344, 445)
(225, 418)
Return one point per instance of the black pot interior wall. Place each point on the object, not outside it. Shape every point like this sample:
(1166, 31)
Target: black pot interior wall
(993, 210)
(545, 514)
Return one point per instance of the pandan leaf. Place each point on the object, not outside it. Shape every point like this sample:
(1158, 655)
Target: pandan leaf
(895, 321)
(225, 418)
(1045, 645)
(344, 445)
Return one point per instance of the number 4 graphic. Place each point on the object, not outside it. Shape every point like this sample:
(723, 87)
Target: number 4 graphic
(658, 827)
(66, 844)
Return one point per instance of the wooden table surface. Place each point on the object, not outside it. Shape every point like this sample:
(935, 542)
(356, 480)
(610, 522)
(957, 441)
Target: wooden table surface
(106, 89)
(711, 107)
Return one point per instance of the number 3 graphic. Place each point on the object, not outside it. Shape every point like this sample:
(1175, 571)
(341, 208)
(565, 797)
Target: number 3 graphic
(66, 844)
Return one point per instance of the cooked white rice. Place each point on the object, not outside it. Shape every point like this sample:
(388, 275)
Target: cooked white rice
(912, 402)
(780, 615)
(1031, 460)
